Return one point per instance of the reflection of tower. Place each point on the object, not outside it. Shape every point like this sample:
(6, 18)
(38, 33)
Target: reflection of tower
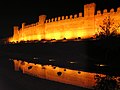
(89, 10)
(23, 25)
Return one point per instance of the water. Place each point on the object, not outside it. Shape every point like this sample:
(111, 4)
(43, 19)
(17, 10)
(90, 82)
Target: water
(11, 80)
(92, 57)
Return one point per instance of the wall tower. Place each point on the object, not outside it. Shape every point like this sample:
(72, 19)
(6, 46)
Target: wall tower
(16, 33)
(89, 10)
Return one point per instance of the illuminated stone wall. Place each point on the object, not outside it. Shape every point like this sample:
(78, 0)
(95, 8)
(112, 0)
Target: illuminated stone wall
(68, 76)
(69, 27)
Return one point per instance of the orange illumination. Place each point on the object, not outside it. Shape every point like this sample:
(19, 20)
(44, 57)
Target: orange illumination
(74, 77)
(68, 34)
(57, 35)
(80, 33)
(33, 37)
(49, 36)
(69, 28)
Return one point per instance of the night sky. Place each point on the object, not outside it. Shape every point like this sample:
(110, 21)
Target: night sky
(18, 11)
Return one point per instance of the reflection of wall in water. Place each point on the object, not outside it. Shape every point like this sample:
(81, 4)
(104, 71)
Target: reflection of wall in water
(74, 77)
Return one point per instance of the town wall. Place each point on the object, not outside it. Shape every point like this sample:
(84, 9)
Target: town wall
(83, 25)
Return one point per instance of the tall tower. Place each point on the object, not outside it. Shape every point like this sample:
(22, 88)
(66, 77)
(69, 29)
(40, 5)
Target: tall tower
(42, 19)
(16, 33)
(89, 10)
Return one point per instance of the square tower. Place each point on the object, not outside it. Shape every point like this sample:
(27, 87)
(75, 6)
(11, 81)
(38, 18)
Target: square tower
(89, 10)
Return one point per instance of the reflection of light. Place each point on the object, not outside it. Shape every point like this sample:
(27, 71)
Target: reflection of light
(35, 58)
(51, 60)
(53, 40)
(73, 62)
(101, 65)
(11, 59)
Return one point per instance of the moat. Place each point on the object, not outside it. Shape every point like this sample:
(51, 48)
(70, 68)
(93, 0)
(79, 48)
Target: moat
(12, 80)
(87, 56)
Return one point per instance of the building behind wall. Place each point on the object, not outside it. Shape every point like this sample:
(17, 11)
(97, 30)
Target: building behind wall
(82, 25)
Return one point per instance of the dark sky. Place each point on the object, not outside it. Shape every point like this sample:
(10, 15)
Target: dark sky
(18, 11)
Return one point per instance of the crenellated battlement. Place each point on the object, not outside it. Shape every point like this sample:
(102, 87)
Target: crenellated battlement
(82, 25)
(105, 11)
(118, 9)
(31, 25)
(64, 18)
(99, 12)
(112, 11)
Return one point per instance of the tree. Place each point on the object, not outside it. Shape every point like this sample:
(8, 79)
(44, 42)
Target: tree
(108, 38)
(107, 29)
(107, 82)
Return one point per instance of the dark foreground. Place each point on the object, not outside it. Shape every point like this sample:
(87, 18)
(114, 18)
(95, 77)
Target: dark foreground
(87, 52)
(11, 80)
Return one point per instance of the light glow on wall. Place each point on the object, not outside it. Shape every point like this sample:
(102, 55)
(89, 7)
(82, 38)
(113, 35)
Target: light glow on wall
(69, 28)
(68, 34)
(57, 36)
